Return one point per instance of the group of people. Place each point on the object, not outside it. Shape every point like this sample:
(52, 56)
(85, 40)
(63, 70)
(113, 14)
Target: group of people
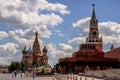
(31, 74)
(15, 73)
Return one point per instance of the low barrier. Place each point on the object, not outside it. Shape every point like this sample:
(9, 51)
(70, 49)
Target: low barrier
(73, 77)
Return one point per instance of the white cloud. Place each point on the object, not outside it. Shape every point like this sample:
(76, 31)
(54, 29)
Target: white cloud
(109, 28)
(43, 19)
(111, 39)
(26, 37)
(62, 35)
(9, 48)
(43, 31)
(56, 52)
(3, 34)
(83, 22)
(53, 51)
(61, 50)
(82, 25)
(110, 32)
(8, 52)
(3, 61)
(25, 13)
(65, 47)
(58, 8)
(20, 37)
(8, 59)
(24, 41)
(77, 40)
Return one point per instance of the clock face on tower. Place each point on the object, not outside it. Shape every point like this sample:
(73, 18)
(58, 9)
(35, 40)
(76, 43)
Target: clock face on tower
(94, 33)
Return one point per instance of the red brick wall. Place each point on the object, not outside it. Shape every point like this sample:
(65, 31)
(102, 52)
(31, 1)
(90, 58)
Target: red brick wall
(99, 47)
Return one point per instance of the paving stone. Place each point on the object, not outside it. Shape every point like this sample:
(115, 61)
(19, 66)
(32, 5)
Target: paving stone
(9, 77)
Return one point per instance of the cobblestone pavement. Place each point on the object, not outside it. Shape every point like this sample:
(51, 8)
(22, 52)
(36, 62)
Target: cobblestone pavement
(9, 77)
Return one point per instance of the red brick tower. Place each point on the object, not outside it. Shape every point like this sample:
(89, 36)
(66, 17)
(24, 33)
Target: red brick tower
(93, 37)
(36, 51)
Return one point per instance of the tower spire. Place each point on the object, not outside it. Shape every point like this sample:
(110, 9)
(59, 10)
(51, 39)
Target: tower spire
(93, 14)
(36, 33)
(36, 45)
(36, 36)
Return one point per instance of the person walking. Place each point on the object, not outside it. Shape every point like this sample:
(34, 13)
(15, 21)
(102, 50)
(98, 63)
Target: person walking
(33, 75)
(21, 75)
(12, 74)
(15, 73)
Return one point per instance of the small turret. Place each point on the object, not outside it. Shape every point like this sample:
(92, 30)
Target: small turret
(24, 51)
(45, 57)
(44, 49)
(112, 47)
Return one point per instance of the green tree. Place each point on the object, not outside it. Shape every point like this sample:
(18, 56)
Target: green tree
(13, 66)
(22, 67)
(59, 69)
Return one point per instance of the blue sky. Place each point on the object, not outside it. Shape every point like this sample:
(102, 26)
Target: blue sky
(62, 25)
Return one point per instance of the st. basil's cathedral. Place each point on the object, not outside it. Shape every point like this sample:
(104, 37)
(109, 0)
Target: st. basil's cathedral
(35, 57)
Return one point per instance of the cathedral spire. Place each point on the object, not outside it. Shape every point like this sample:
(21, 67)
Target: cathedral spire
(93, 13)
(36, 45)
(36, 34)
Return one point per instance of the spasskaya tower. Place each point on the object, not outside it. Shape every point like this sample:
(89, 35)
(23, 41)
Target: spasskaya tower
(93, 37)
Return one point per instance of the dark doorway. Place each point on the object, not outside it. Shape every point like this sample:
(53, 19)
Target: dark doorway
(69, 70)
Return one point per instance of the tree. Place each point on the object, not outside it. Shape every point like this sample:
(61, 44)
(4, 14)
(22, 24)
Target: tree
(13, 66)
(59, 69)
(22, 66)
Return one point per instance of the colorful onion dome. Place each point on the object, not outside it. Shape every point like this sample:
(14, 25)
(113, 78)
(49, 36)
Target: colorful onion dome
(24, 51)
(29, 51)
